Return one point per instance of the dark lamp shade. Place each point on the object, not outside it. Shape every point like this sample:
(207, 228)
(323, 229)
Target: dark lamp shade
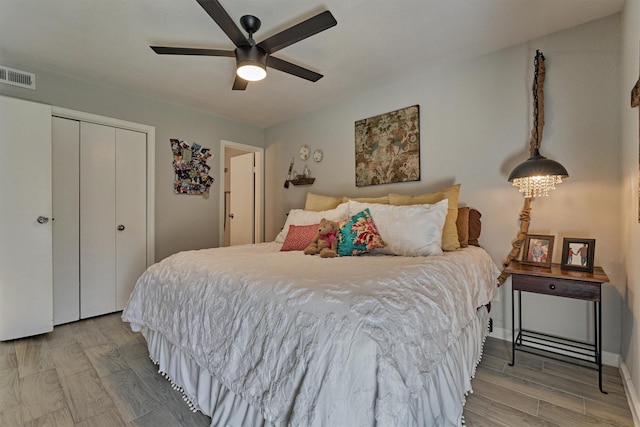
(538, 165)
(537, 175)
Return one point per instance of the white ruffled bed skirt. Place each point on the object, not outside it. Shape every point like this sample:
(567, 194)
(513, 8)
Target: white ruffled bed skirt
(440, 404)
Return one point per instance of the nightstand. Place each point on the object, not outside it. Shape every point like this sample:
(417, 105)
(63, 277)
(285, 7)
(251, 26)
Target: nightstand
(562, 283)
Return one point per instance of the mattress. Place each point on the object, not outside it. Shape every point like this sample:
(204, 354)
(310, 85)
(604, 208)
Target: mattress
(289, 339)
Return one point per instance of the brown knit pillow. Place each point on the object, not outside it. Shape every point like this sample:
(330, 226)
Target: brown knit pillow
(474, 227)
(462, 223)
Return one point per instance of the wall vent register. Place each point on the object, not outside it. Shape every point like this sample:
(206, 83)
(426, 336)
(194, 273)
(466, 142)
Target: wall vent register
(19, 78)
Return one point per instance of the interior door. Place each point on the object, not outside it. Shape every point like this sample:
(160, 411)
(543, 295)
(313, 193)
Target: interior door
(26, 291)
(66, 227)
(242, 187)
(131, 212)
(97, 219)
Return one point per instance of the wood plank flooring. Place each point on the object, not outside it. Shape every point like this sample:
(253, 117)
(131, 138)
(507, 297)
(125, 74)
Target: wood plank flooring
(96, 373)
(538, 391)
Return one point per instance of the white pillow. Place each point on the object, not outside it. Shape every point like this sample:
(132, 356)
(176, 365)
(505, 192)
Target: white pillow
(411, 230)
(302, 217)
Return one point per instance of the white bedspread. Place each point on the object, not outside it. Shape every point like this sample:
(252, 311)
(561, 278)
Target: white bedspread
(285, 331)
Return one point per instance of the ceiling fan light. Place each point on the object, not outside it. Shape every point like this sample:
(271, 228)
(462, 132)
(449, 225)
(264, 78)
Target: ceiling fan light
(251, 72)
(251, 63)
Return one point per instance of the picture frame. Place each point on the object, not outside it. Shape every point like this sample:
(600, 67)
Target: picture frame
(538, 250)
(387, 147)
(578, 254)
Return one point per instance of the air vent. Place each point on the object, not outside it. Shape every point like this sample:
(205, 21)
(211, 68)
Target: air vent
(19, 78)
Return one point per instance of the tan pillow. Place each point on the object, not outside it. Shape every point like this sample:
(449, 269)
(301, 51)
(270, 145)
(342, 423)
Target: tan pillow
(318, 202)
(475, 227)
(462, 224)
(450, 240)
(382, 200)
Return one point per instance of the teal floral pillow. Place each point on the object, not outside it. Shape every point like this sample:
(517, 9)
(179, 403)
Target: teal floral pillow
(358, 235)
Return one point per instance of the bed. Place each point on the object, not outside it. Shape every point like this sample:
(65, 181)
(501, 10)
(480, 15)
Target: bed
(254, 335)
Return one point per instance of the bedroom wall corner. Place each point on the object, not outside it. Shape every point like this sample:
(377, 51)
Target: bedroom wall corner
(630, 205)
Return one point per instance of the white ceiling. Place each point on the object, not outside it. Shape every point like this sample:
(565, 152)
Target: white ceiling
(107, 42)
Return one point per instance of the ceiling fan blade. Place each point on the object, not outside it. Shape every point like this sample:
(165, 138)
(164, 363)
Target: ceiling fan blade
(298, 32)
(239, 83)
(224, 21)
(296, 70)
(165, 50)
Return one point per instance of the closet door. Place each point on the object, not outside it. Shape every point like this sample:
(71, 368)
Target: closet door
(66, 227)
(26, 295)
(131, 212)
(97, 219)
(113, 216)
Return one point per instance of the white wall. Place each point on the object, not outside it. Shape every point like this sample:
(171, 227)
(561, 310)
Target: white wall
(182, 221)
(629, 222)
(475, 125)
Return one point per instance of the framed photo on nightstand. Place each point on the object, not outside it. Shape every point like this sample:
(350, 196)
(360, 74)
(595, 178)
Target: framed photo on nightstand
(538, 250)
(578, 254)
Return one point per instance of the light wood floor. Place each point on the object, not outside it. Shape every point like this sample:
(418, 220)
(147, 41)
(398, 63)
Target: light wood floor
(538, 391)
(96, 373)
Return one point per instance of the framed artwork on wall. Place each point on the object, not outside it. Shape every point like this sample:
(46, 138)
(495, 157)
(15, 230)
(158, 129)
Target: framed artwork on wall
(538, 250)
(578, 254)
(388, 147)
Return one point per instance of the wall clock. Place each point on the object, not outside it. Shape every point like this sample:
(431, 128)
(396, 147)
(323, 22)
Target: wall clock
(317, 155)
(304, 152)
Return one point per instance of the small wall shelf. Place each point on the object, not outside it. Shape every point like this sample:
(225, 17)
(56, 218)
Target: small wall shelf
(302, 181)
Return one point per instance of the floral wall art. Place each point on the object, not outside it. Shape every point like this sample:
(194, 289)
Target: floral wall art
(191, 169)
(388, 147)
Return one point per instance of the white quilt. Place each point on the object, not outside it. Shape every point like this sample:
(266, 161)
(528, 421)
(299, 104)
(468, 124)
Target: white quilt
(312, 341)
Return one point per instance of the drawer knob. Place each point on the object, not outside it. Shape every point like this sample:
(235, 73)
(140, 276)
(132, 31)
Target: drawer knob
(552, 287)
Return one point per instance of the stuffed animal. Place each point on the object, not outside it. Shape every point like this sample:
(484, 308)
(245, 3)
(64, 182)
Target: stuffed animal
(325, 242)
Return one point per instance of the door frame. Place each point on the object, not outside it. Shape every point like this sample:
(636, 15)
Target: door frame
(258, 189)
(150, 131)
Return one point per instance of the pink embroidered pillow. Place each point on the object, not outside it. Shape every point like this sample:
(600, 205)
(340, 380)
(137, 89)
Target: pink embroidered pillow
(299, 237)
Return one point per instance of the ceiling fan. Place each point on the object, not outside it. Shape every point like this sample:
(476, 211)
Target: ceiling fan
(253, 59)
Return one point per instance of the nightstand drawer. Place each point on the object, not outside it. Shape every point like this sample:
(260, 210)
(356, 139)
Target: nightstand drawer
(589, 291)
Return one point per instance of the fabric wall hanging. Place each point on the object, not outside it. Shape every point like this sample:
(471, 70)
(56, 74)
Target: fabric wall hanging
(388, 147)
(191, 169)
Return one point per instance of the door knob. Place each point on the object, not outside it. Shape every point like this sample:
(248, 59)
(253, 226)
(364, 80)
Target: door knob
(231, 216)
(120, 227)
(42, 220)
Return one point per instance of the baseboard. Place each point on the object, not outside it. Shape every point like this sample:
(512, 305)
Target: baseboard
(632, 394)
(609, 359)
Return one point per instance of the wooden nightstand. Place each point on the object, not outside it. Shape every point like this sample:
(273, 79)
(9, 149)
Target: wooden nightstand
(562, 283)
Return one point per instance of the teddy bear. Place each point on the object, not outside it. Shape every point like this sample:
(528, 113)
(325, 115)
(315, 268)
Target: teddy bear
(325, 242)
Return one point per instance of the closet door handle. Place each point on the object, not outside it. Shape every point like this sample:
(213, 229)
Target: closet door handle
(120, 227)
(42, 220)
